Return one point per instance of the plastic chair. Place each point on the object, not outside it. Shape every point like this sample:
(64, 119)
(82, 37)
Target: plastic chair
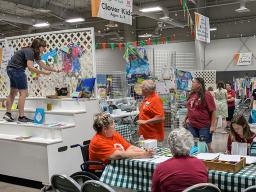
(63, 183)
(203, 187)
(251, 189)
(96, 186)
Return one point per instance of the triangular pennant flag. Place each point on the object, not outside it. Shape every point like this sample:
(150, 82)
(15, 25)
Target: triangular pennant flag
(128, 44)
(163, 40)
(149, 42)
(142, 43)
(168, 39)
(135, 43)
(112, 45)
(96, 45)
(104, 45)
(155, 41)
(120, 45)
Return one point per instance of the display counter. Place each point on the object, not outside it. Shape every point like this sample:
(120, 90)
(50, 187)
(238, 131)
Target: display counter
(30, 151)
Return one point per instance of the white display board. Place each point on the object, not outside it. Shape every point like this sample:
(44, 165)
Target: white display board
(56, 39)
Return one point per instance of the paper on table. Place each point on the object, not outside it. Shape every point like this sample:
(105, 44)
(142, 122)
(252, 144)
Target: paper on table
(250, 159)
(230, 158)
(207, 156)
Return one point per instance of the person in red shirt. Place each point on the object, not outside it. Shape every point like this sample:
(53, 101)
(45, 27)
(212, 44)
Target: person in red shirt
(151, 115)
(108, 145)
(239, 132)
(201, 115)
(181, 171)
(231, 102)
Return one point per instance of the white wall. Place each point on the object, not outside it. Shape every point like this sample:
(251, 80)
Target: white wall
(108, 60)
(220, 53)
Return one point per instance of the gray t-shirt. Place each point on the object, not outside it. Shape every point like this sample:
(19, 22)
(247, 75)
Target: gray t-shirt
(20, 58)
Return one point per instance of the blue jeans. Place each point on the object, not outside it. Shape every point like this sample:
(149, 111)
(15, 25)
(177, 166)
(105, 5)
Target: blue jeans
(18, 78)
(198, 132)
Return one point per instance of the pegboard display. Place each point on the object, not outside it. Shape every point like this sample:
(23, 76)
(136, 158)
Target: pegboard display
(161, 59)
(57, 39)
(209, 77)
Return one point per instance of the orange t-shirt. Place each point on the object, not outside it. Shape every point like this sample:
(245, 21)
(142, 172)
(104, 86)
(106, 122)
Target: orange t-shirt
(150, 107)
(102, 147)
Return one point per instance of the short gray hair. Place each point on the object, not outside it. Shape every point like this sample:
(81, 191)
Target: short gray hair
(149, 85)
(180, 142)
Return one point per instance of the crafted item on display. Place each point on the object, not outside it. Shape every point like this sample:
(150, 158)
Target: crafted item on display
(61, 91)
(137, 65)
(70, 56)
(183, 79)
(49, 57)
(39, 116)
(85, 86)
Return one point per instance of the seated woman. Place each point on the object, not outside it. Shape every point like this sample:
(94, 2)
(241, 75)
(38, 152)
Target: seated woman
(181, 171)
(107, 144)
(239, 132)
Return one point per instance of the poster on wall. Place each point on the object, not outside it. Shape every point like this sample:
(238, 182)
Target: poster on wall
(243, 59)
(113, 10)
(8, 52)
(202, 28)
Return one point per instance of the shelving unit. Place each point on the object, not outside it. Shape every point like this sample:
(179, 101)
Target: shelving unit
(30, 150)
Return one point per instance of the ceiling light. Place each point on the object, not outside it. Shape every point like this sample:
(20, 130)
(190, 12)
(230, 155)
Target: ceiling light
(145, 35)
(213, 29)
(243, 9)
(164, 18)
(75, 20)
(45, 24)
(151, 9)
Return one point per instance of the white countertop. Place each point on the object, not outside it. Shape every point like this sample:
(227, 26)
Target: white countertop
(35, 140)
(58, 125)
(64, 112)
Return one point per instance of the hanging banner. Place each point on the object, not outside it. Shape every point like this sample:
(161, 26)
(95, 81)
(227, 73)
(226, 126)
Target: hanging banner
(202, 28)
(114, 10)
(243, 58)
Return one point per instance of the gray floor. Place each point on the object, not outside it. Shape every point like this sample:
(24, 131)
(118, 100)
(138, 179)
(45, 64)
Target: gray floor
(219, 145)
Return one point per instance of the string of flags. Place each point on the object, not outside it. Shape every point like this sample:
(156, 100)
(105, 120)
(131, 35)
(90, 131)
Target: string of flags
(154, 41)
(149, 41)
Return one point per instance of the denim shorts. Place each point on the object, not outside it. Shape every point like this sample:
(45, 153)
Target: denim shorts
(18, 78)
(198, 132)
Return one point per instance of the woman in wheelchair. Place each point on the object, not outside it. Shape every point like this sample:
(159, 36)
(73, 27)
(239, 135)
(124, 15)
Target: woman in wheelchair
(240, 132)
(108, 145)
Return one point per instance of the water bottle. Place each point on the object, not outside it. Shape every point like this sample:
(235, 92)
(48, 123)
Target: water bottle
(141, 141)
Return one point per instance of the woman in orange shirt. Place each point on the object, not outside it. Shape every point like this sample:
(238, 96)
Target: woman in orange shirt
(107, 144)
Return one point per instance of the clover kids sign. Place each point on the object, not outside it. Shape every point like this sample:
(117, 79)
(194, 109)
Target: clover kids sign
(114, 10)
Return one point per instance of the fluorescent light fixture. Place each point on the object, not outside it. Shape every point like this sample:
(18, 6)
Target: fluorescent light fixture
(75, 20)
(151, 9)
(243, 9)
(164, 18)
(45, 24)
(145, 35)
(213, 29)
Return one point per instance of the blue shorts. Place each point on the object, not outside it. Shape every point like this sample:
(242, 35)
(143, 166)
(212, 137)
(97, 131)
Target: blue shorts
(205, 132)
(18, 78)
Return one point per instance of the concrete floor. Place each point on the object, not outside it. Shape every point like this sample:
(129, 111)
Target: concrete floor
(218, 145)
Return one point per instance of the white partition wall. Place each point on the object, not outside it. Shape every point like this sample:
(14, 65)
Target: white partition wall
(56, 39)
